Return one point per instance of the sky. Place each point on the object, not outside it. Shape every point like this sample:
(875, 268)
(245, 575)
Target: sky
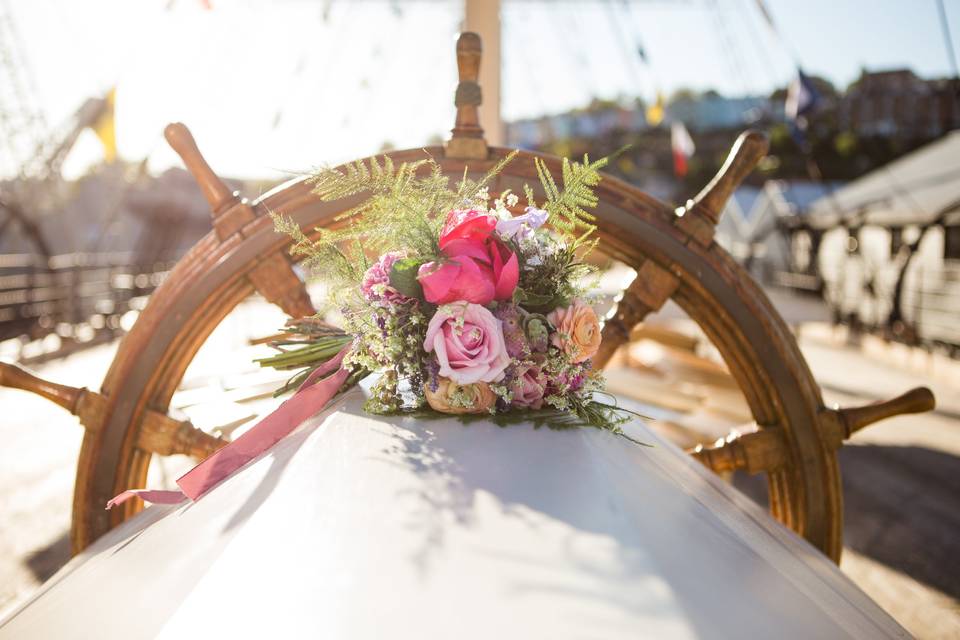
(271, 89)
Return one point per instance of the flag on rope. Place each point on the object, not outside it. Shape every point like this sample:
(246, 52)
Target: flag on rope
(802, 99)
(655, 111)
(682, 146)
(104, 127)
(642, 53)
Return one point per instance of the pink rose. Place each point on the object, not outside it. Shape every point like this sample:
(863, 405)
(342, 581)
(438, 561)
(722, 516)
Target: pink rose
(577, 331)
(376, 281)
(477, 272)
(528, 387)
(467, 224)
(468, 342)
(480, 268)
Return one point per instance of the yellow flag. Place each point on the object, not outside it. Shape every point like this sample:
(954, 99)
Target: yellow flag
(104, 127)
(655, 111)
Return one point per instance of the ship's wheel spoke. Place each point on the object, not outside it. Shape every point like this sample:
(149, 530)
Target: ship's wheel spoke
(159, 433)
(272, 276)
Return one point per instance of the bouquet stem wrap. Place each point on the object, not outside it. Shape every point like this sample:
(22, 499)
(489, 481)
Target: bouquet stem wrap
(310, 398)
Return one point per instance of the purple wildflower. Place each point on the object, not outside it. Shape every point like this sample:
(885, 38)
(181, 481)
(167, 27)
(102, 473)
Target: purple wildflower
(433, 374)
(376, 281)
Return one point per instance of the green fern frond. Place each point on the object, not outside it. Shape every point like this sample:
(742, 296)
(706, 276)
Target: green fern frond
(342, 265)
(406, 204)
(568, 207)
(528, 191)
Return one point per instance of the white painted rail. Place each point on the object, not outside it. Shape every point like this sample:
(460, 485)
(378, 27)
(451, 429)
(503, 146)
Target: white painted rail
(365, 527)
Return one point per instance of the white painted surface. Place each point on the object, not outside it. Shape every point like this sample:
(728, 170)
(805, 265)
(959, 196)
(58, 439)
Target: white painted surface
(365, 527)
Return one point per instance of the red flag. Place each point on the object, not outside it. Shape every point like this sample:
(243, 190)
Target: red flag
(682, 145)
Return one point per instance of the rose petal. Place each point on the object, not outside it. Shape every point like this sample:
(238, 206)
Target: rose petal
(496, 250)
(509, 277)
(467, 225)
(437, 280)
(475, 249)
(439, 345)
(473, 284)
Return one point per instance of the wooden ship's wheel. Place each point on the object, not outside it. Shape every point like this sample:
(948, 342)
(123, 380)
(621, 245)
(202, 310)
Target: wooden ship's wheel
(672, 251)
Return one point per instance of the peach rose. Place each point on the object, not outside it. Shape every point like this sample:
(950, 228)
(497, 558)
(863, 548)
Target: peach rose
(451, 397)
(577, 331)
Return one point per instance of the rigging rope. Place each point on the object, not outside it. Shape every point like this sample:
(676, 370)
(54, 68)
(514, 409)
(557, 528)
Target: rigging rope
(947, 39)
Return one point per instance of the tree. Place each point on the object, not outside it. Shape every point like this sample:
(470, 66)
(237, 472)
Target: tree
(683, 93)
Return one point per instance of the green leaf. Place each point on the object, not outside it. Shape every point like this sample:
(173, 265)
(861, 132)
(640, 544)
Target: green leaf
(539, 302)
(530, 299)
(403, 277)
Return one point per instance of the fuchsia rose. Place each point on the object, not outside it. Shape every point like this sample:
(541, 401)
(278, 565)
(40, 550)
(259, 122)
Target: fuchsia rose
(480, 268)
(466, 224)
(376, 281)
(529, 387)
(468, 342)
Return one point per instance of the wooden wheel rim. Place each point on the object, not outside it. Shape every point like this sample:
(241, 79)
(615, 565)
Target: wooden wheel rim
(210, 281)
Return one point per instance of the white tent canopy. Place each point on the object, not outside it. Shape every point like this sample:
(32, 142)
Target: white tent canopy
(910, 190)
(358, 526)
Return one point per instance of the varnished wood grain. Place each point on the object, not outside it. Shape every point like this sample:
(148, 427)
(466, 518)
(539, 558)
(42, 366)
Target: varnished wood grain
(468, 141)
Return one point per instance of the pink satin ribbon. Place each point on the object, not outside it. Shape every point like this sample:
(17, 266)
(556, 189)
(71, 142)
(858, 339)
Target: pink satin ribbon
(309, 399)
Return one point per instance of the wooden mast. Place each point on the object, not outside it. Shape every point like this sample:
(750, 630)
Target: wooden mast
(483, 18)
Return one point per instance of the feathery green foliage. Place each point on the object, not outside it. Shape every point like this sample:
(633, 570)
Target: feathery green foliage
(339, 265)
(567, 206)
(405, 208)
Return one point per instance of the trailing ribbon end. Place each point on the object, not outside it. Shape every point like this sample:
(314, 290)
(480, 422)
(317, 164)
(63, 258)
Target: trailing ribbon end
(147, 495)
(312, 396)
(269, 431)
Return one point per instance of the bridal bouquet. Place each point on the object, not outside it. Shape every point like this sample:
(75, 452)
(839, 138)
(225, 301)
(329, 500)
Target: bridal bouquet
(461, 304)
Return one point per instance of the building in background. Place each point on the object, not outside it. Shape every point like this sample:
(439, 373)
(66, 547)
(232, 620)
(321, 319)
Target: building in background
(898, 104)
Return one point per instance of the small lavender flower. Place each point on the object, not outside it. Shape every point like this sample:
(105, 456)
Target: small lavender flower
(576, 382)
(381, 323)
(522, 226)
(433, 374)
(416, 380)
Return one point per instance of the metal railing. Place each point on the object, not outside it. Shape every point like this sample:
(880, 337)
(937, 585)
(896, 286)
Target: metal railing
(80, 297)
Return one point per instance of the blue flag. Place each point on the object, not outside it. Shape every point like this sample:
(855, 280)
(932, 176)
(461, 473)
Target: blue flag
(802, 99)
